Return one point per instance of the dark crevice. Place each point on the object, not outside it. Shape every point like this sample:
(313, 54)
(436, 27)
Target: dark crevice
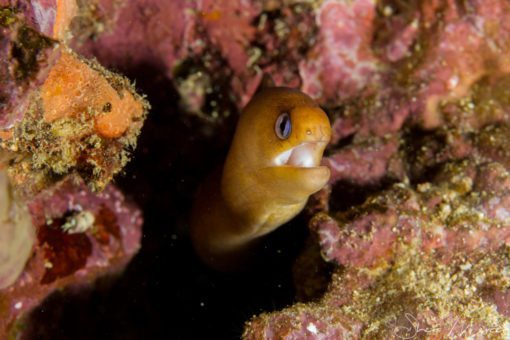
(346, 194)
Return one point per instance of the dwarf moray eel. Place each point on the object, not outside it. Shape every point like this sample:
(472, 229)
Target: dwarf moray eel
(272, 167)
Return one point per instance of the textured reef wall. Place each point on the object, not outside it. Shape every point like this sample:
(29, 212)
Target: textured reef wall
(67, 125)
(415, 220)
(419, 97)
(410, 239)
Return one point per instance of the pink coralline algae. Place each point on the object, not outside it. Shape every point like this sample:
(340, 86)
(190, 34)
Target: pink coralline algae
(218, 19)
(460, 212)
(418, 96)
(79, 237)
(168, 32)
(341, 63)
(426, 254)
(144, 24)
(66, 127)
(22, 69)
(450, 72)
(418, 99)
(409, 259)
(216, 48)
(415, 298)
(366, 164)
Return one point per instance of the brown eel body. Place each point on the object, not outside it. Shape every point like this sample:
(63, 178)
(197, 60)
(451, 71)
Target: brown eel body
(272, 167)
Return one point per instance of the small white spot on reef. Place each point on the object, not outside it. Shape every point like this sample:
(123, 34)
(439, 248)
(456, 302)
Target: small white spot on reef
(18, 305)
(387, 11)
(506, 327)
(453, 81)
(311, 328)
(465, 266)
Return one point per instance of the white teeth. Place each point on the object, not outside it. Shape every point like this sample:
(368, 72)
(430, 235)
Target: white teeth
(304, 156)
(283, 158)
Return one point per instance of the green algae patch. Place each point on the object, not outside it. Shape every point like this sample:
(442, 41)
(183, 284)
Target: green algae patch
(7, 16)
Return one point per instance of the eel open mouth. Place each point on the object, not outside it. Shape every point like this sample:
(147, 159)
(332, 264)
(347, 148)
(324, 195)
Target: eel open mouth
(305, 155)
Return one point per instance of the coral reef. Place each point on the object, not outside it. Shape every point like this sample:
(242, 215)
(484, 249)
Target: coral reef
(416, 297)
(341, 62)
(410, 237)
(62, 114)
(212, 66)
(67, 126)
(464, 209)
(420, 137)
(412, 262)
(80, 236)
(418, 98)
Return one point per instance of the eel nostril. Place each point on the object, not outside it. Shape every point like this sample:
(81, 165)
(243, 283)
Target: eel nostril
(324, 131)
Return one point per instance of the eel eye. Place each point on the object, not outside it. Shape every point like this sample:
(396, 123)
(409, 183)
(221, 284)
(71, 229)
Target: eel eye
(283, 126)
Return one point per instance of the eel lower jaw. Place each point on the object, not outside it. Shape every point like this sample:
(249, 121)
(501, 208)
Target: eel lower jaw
(305, 155)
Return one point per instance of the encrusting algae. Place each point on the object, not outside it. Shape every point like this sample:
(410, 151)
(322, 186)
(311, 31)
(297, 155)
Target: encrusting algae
(67, 126)
(427, 262)
(75, 87)
(417, 93)
(420, 296)
(85, 120)
(66, 114)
